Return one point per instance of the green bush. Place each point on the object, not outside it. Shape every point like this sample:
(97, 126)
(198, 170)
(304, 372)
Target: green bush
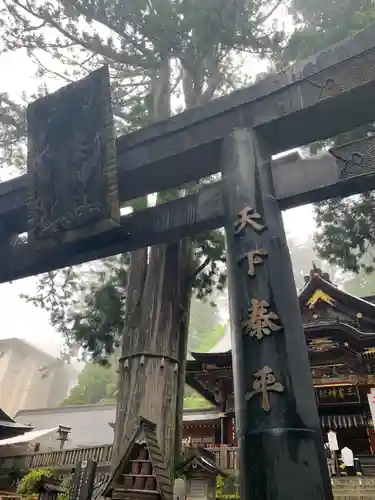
(29, 483)
(227, 488)
(66, 485)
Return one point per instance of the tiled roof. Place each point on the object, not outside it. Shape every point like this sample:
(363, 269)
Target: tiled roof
(199, 458)
(90, 424)
(365, 305)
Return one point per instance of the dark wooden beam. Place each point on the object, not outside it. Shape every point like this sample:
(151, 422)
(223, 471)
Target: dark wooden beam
(289, 109)
(268, 104)
(172, 171)
(346, 170)
(168, 222)
(297, 181)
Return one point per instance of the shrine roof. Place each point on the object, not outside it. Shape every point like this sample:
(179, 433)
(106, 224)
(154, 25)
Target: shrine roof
(355, 338)
(321, 281)
(9, 423)
(221, 359)
(221, 354)
(200, 458)
(202, 415)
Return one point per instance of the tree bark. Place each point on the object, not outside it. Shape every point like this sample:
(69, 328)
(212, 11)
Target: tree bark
(154, 344)
(151, 373)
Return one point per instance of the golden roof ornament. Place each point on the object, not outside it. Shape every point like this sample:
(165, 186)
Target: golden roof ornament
(319, 295)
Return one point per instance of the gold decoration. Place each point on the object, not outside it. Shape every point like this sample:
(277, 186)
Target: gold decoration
(208, 367)
(260, 322)
(265, 381)
(322, 345)
(319, 295)
(254, 257)
(248, 217)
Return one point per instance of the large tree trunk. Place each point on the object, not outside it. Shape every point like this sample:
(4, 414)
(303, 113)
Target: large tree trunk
(154, 346)
(151, 373)
(152, 364)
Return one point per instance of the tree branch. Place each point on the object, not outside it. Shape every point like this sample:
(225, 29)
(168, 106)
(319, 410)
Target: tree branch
(200, 268)
(142, 50)
(92, 44)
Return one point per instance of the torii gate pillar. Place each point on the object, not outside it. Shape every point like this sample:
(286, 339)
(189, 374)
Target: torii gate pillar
(278, 430)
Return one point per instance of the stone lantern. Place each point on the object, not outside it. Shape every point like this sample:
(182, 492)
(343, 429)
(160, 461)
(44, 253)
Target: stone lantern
(63, 435)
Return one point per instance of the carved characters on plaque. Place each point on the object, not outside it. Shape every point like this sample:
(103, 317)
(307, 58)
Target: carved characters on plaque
(73, 190)
(248, 218)
(265, 382)
(260, 321)
(253, 258)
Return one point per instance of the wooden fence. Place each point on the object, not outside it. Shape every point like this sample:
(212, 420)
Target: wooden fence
(66, 459)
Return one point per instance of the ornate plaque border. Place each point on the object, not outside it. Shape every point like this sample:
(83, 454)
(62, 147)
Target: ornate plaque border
(106, 135)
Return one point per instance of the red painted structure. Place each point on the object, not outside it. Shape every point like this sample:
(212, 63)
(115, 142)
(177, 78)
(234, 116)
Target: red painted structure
(340, 333)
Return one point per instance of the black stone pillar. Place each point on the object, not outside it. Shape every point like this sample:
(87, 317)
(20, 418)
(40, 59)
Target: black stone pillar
(279, 436)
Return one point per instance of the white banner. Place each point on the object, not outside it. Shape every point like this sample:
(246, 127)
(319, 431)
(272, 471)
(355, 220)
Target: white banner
(371, 402)
(332, 441)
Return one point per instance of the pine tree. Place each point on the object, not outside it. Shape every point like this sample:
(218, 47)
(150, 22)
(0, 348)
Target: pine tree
(155, 49)
(346, 231)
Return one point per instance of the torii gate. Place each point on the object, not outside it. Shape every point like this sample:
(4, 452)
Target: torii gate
(70, 200)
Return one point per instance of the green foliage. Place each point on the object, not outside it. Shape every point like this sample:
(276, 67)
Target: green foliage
(204, 318)
(29, 483)
(228, 487)
(86, 305)
(194, 401)
(347, 232)
(345, 226)
(316, 25)
(66, 485)
(96, 384)
(211, 339)
(203, 44)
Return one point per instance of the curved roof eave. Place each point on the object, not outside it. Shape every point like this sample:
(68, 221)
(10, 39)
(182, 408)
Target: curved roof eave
(352, 332)
(355, 303)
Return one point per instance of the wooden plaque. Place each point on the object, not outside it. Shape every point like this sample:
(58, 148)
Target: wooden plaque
(337, 395)
(71, 164)
(83, 480)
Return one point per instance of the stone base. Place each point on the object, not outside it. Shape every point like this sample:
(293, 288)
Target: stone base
(354, 488)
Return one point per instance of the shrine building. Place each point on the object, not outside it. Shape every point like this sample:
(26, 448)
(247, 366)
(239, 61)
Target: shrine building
(340, 334)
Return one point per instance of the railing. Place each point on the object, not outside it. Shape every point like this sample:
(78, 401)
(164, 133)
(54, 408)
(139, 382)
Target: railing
(58, 459)
(225, 456)
(66, 459)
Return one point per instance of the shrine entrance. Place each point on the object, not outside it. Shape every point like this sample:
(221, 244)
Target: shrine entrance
(69, 202)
